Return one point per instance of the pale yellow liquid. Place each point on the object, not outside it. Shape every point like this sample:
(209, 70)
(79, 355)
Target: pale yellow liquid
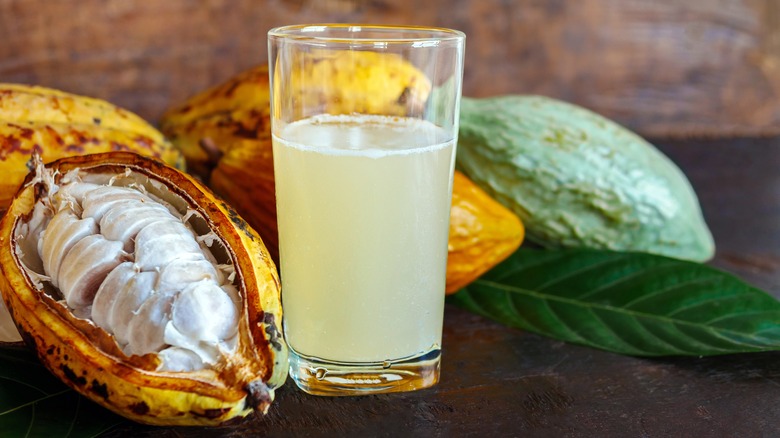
(363, 209)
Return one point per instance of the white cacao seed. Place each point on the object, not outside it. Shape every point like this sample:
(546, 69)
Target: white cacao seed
(133, 264)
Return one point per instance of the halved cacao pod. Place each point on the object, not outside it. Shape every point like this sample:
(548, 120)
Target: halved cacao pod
(246, 367)
(56, 124)
(225, 135)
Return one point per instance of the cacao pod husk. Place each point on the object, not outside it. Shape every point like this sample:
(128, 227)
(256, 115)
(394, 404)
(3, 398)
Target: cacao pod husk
(89, 359)
(55, 124)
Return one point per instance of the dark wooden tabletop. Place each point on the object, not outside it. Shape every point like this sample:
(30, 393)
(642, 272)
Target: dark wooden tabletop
(499, 381)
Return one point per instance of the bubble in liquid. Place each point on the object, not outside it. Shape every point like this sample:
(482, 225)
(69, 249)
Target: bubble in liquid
(320, 373)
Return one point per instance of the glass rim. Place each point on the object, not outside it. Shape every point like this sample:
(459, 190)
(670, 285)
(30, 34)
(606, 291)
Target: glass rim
(315, 32)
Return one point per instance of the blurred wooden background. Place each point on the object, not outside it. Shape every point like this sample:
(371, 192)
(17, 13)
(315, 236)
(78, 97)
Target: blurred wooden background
(661, 67)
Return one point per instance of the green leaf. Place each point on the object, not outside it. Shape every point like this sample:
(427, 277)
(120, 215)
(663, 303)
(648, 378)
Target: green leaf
(34, 403)
(628, 303)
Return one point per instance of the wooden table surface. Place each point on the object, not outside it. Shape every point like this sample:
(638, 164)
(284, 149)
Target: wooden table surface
(499, 381)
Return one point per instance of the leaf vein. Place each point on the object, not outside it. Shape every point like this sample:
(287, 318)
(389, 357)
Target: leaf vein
(75, 415)
(475, 303)
(705, 301)
(668, 289)
(522, 268)
(563, 322)
(27, 384)
(517, 314)
(738, 315)
(767, 329)
(578, 271)
(32, 422)
(718, 334)
(625, 278)
(33, 402)
(615, 334)
(643, 325)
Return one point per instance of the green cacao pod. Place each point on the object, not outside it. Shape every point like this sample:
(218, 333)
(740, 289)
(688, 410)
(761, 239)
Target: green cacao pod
(577, 179)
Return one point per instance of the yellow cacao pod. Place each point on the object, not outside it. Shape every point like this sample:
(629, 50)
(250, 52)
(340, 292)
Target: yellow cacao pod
(141, 290)
(225, 134)
(482, 233)
(57, 124)
(343, 82)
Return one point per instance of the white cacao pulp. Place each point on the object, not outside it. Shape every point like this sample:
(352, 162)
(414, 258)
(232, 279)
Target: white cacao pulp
(128, 254)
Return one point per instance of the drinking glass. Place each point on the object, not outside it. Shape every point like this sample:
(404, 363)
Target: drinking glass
(364, 122)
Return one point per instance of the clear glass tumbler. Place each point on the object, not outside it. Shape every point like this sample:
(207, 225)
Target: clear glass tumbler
(365, 122)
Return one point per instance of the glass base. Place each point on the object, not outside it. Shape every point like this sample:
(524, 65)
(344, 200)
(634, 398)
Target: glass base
(322, 377)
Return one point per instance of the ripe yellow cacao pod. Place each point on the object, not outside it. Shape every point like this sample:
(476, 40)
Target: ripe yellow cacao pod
(343, 82)
(56, 124)
(225, 134)
(143, 291)
(482, 233)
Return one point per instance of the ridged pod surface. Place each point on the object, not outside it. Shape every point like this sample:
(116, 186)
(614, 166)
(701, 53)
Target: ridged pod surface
(225, 134)
(482, 233)
(79, 199)
(55, 124)
(577, 179)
